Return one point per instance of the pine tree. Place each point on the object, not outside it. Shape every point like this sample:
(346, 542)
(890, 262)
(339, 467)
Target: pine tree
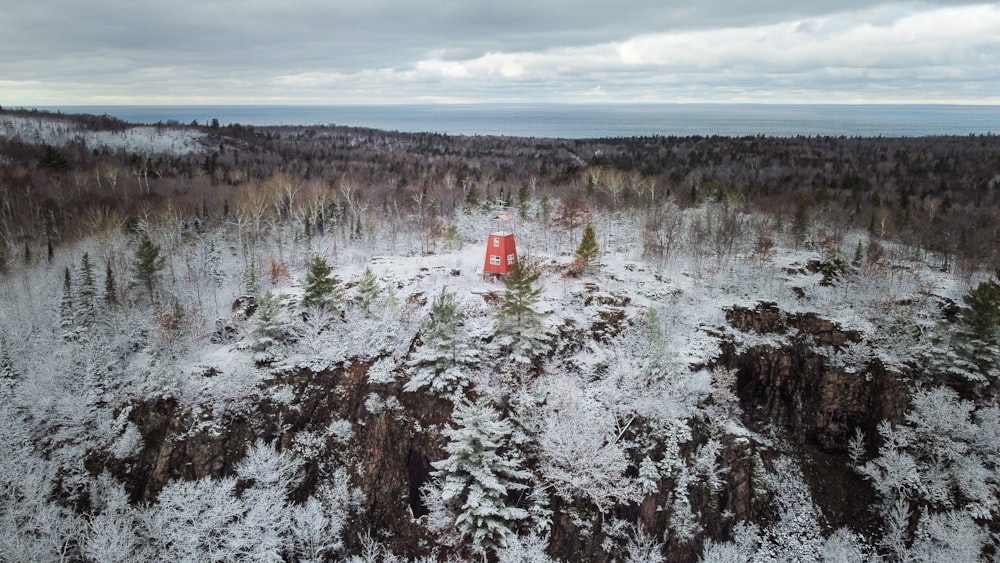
(66, 312)
(975, 348)
(479, 473)
(148, 263)
(859, 256)
(251, 280)
(320, 287)
(518, 328)
(368, 290)
(523, 198)
(471, 198)
(649, 476)
(267, 328)
(87, 292)
(983, 315)
(800, 223)
(441, 363)
(213, 263)
(451, 239)
(587, 251)
(110, 288)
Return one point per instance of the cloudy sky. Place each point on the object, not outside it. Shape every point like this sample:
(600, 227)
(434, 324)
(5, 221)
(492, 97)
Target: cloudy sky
(62, 52)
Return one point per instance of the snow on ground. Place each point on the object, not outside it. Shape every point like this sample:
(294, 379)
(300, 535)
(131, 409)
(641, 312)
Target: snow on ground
(690, 291)
(139, 139)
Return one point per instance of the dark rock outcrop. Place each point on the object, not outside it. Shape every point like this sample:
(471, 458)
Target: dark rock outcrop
(389, 454)
(817, 406)
(794, 385)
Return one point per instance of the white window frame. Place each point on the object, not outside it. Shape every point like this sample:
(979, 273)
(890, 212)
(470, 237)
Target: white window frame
(496, 242)
(494, 259)
(511, 259)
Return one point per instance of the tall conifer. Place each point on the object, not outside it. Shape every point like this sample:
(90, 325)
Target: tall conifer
(320, 287)
(66, 312)
(441, 363)
(518, 328)
(87, 292)
(110, 288)
(368, 289)
(588, 250)
(479, 474)
(148, 263)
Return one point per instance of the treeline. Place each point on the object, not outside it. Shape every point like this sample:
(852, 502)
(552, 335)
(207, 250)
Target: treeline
(938, 194)
(89, 122)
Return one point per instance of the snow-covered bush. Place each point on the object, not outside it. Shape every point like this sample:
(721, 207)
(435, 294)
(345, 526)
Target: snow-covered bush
(944, 464)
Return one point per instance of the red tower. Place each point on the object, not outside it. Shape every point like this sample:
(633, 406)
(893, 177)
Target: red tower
(501, 254)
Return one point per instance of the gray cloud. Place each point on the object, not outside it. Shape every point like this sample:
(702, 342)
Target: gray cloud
(316, 51)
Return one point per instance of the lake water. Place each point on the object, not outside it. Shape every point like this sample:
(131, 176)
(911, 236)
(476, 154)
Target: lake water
(588, 121)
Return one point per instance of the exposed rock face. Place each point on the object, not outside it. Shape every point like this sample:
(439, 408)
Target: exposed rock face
(767, 318)
(395, 437)
(818, 406)
(794, 385)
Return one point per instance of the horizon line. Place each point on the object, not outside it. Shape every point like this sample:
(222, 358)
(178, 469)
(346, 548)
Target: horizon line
(501, 103)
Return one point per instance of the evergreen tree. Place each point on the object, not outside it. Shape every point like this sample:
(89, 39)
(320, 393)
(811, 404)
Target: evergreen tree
(268, 328)
(66, 320)
(859, 256)
(587, 251)
(368, 290)
(320, 287)
(800, 223)
(110, 288)
(471, 198)
(441, 362)
(983, 315)
(481, 470)
(975, 349)
(451, 239)
(53, 160)
(213, 263)
(649, 476)
(148, 263)
(523, 198)
(518, 328)
(251, 280)
(87, 292)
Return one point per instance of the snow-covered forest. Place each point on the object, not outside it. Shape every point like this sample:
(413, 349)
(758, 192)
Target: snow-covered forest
(277, 344)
